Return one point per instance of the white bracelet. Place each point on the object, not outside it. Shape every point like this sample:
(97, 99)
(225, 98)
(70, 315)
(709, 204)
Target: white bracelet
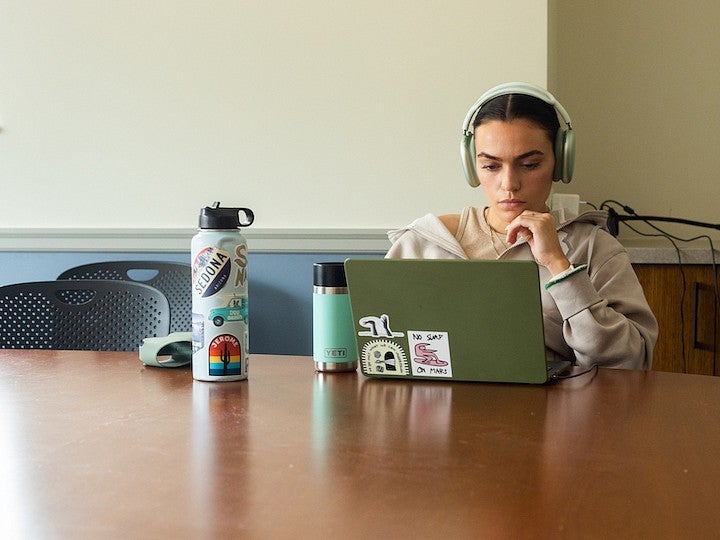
(565, 274)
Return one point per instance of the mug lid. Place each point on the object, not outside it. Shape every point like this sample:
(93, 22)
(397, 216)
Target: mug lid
(329, 274)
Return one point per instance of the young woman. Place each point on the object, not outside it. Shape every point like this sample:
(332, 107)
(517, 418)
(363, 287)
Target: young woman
(594, 308)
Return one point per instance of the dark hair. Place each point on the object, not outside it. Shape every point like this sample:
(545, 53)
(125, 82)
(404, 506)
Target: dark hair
(520, 106)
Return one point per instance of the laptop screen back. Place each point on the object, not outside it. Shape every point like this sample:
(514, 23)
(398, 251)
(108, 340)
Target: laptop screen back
(473, 320)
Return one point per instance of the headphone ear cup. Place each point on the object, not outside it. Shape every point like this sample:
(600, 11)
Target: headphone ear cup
(564, 155)
(467, 158)
(559, 155)
(568, 156)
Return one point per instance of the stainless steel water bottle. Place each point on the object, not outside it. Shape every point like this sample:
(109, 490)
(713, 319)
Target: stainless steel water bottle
(334, 346)
(220, 295)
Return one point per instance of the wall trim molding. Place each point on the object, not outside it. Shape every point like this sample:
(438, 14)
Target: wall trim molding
(178, 240)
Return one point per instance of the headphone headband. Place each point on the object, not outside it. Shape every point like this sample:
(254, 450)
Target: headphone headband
(514, 88)
(564, 143)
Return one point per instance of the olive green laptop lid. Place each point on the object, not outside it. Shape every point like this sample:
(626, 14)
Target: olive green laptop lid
(448, 319)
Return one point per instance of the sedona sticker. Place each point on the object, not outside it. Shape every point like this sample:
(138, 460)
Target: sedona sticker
(211, 271)
(225, 355)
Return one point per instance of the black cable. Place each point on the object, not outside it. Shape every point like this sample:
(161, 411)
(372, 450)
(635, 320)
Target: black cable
(563, 377)
(636, 217)
(682, 294)
(713, 264)
(625, 208)
(716, 292)
(616, 218)
(669, 236)
(713, 261)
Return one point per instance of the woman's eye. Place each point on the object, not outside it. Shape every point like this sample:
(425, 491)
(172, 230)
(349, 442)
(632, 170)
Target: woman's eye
(489, 166)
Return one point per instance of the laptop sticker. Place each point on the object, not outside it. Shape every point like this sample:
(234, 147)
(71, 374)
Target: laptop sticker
(377, 327)
(430, 353)
(383, 357)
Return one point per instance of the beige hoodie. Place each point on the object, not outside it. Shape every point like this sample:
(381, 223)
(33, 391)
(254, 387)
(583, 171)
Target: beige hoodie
(598, 316)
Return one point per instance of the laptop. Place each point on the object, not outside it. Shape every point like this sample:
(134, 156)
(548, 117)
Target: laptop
(478, 320)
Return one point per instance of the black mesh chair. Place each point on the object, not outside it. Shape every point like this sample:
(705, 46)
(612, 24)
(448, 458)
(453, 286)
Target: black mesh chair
(81, 315)
(172, 279)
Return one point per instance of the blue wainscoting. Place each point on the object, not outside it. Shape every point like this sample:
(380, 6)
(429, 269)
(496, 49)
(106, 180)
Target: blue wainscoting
(280, 288)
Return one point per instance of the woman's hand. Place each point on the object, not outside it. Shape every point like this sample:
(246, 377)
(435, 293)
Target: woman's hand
(538, 229)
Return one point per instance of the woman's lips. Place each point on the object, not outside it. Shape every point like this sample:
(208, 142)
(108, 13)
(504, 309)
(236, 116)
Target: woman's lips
(512, 203)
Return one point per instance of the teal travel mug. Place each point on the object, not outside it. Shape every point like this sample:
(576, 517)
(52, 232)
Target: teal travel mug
(334, 346)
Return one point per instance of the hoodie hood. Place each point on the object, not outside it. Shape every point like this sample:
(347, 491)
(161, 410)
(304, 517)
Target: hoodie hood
(429, 230)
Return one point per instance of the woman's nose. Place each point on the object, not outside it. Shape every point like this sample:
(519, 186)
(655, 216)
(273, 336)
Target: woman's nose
(509, 181)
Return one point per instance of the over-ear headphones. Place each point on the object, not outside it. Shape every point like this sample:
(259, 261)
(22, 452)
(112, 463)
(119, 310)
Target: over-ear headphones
(564, 141)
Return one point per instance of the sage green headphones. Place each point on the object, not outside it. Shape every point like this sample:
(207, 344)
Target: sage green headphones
(564, 141)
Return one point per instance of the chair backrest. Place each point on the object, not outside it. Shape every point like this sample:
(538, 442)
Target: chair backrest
(174, 280)
(81, 315)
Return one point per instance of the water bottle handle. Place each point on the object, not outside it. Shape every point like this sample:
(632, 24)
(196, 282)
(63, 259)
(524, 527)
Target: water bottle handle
(249, 217)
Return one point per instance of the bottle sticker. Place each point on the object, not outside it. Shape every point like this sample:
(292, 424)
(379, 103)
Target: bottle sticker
(241, 262)
(225, 355)
(198, 332)
(430, 353)
(211, 271)
(234, 309)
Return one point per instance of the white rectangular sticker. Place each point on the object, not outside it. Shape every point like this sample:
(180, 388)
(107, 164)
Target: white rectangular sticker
(429, 353)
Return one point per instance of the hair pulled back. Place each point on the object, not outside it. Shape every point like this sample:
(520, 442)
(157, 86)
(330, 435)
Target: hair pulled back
(510, 107)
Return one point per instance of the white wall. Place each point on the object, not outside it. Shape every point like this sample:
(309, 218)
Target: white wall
(313, 113)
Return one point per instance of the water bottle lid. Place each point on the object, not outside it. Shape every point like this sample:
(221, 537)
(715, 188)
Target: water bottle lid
(329, 274)
(214, 217)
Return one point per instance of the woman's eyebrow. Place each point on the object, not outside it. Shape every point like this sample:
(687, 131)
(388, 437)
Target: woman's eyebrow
(521, 156)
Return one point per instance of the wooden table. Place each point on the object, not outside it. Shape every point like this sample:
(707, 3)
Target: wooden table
(97, 445)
